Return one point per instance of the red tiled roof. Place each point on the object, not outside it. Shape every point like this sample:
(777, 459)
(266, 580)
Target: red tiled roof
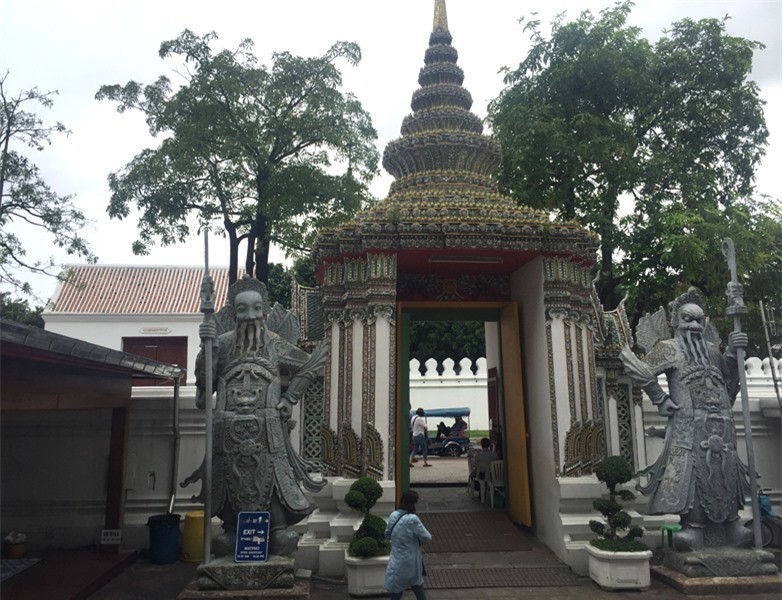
(96, 289)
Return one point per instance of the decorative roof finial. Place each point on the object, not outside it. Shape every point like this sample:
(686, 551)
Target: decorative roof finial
(440, 16)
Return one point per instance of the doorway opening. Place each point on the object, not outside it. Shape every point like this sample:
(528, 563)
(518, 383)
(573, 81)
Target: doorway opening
(447, 379)
(497, 402)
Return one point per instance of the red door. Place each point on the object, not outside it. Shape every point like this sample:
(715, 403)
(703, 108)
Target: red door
(169, 350)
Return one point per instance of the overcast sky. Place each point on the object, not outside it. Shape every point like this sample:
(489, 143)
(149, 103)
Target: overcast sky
(75, 47)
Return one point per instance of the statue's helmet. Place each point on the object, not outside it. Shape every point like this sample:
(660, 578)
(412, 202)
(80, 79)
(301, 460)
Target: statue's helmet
(691, 296)
(249, 284)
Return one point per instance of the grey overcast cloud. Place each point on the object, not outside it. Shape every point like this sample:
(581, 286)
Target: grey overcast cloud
(75, 47)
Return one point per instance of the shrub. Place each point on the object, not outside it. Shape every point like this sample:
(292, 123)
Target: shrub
(613, 471)
(369, 539)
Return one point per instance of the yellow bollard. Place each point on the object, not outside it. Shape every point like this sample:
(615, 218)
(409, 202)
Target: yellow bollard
(193, 537)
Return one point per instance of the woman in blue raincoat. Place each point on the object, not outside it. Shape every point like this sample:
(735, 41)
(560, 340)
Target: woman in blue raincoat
(407, 534)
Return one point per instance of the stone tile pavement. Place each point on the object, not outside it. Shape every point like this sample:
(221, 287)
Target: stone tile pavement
(143, 581)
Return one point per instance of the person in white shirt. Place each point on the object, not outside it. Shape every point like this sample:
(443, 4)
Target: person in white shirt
(418, 429)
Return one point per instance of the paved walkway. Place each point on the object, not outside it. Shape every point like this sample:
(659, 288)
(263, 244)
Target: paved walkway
(444, 469)
(143, 581)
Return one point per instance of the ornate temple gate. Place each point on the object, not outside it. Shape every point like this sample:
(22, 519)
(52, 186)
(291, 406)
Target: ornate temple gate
(446, 239)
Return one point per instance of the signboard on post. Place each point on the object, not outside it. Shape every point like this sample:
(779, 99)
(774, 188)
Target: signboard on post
(252, 536)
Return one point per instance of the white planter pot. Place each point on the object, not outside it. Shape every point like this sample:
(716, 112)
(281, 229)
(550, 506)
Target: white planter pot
(366, 575)
(619, 570)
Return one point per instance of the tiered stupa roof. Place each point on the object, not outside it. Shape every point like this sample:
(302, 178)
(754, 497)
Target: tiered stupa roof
(443, 199)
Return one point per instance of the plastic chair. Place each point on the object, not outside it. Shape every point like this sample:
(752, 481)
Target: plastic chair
(496, 480)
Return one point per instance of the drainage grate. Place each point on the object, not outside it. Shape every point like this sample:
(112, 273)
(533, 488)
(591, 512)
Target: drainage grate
(450, 578)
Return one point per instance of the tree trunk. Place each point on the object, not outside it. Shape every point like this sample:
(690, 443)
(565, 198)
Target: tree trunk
(606, 285)
(260, 245)
(262, 258)
(249, 255)
(233, 252)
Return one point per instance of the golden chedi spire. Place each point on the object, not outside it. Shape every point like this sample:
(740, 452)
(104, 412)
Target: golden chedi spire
(442, 152)
(440, 16)
(443, 194)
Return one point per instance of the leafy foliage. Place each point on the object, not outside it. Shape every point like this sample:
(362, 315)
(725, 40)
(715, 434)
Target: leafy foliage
(596, 116)
(247, 148)
(19, 310)
(365, 492)
(279, 285)
(25, 198)
(369, 539)
(303, 270)
(614, 471)
(281, 279)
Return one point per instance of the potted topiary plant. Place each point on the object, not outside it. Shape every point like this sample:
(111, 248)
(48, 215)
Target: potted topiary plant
(617, 558)
(367, 556)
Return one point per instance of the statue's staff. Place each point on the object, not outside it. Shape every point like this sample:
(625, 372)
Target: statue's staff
(207, 332)
(735, 309)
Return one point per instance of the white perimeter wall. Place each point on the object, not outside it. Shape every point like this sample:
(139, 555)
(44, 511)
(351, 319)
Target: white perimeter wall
(451, 390)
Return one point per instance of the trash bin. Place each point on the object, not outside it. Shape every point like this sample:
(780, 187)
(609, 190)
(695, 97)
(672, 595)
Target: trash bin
(163, 538)
(193, 536)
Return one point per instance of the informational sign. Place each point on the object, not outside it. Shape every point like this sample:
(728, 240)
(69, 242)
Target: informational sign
(252, 536)
(110, 537)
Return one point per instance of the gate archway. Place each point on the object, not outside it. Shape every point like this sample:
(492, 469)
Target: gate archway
(510, 390)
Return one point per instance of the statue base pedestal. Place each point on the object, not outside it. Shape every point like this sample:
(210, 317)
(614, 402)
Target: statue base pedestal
(226, 574)
(299, 591)
(721, 562)
(723, 570)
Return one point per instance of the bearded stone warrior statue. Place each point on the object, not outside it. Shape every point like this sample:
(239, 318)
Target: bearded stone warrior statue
(259, 374)
(698, 474)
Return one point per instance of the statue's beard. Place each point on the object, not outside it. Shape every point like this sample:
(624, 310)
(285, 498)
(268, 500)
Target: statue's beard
(249, 336)
(694, 347)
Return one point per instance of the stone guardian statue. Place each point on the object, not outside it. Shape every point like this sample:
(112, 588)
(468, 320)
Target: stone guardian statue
(259, 374)
(699, 474)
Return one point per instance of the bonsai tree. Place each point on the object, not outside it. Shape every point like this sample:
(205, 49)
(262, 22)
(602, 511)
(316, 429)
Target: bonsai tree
(614, 471)
(369, 539)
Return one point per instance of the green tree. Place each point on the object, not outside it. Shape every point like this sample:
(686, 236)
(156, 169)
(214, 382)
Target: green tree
(596, 115)
(19, 310)
(279, 285)
(25, 198)
(281, 279)
(246, 148)
(303, 270)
